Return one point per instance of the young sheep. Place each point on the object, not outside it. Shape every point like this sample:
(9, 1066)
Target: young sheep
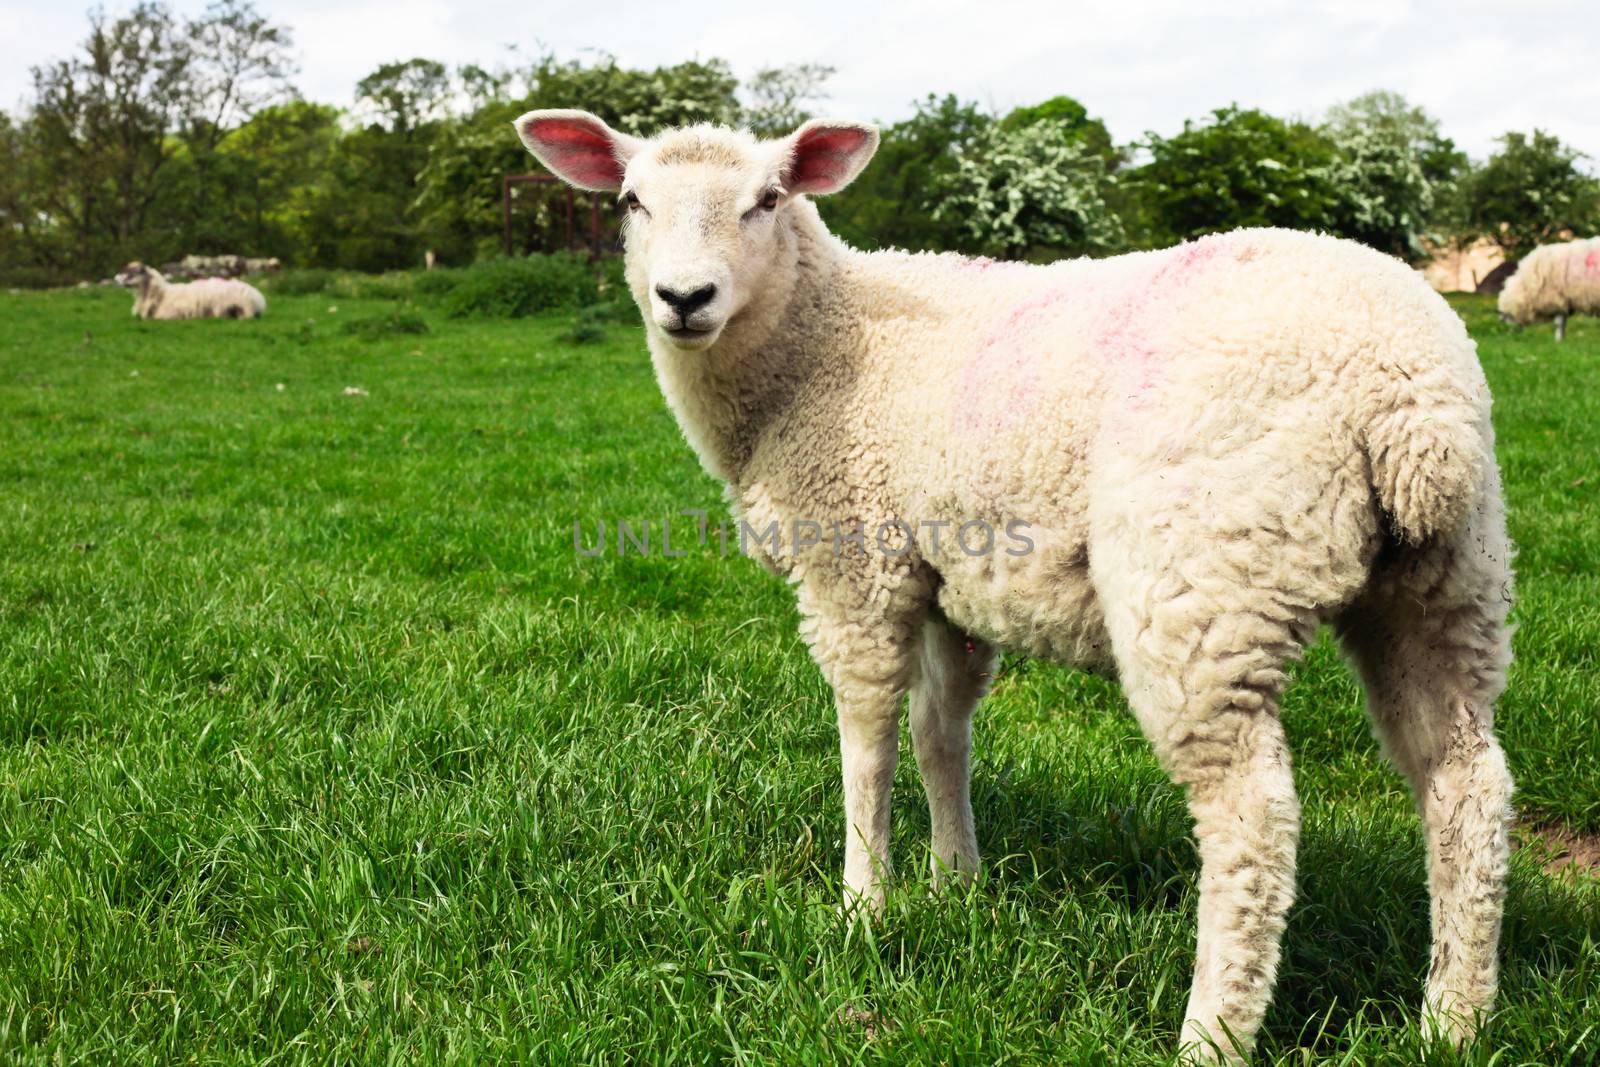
(208, 298)
(1211, 450)
(1552, 282)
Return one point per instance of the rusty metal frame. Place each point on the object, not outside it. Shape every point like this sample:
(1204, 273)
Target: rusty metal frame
(510, 180)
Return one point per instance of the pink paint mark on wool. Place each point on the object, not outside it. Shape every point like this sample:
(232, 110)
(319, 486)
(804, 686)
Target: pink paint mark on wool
(999, 382)
(1134, 333)
(1591, 262)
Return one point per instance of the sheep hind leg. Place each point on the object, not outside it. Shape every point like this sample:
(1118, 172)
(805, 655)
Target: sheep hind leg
(1203, 672)
(952, 673)
(1247, 825)
(1433, 663)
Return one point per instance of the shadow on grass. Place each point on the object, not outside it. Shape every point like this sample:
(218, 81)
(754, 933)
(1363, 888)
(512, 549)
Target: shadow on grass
(1356, 950)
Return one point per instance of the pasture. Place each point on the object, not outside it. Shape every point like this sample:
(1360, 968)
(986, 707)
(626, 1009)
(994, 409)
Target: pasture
(320, 744)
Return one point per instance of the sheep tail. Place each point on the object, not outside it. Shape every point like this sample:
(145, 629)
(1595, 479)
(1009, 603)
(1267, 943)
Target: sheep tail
(1429, 449)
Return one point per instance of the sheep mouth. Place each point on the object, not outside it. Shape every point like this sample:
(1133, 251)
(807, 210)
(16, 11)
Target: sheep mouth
(692, 337)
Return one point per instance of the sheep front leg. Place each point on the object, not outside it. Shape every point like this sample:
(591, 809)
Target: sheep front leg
(953, 672)
(1561, 327)
(869, 736)
(867, 658)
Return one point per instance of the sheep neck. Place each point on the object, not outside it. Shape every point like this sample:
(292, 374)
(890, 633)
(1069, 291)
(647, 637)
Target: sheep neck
(151, 288)
(728, 396)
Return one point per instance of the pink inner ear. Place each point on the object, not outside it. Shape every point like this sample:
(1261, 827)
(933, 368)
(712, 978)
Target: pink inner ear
(822, 159)
(577, 151)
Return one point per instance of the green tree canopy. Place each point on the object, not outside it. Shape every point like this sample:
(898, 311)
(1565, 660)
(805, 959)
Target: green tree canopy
(458, 187)
(1242, 167)
(892, 202)
(1031, 189)
(779, 97)
(1072, 119)
(1530, 192)
(406, 96)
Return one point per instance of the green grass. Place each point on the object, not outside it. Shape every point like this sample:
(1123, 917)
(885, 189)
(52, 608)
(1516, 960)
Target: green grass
(320, 744)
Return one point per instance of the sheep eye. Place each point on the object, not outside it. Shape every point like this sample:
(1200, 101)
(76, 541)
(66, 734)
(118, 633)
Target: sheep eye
(769, 201)
(631, 201)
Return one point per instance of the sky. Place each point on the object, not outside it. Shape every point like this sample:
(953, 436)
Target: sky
(1481, 68)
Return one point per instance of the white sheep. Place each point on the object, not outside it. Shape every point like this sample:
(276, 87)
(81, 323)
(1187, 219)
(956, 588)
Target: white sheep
(1552, 282)
(1209, 451)
(208, 298)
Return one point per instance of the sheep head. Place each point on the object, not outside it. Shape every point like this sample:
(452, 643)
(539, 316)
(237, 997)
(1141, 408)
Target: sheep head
(707, 206)
(133, 275)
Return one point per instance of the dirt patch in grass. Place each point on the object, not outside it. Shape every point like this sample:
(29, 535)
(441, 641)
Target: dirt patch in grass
(1559, 848)
(870, 1023)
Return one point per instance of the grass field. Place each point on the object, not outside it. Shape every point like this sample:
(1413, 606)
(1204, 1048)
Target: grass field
(319, 743)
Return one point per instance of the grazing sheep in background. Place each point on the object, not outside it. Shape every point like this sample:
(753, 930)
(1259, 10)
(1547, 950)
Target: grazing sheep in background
(209, 298)
(1209, 450)
(1552, 282)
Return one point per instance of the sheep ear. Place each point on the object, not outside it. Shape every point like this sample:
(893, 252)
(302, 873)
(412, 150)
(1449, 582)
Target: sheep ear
(823, 157)
(579, 148)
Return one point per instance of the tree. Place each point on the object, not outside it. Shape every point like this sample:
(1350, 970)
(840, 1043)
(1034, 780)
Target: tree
(778, 96)
(406, 96)
(482, 86)
(893, 201)
(1528, 193)
(1383, 197)
(458, 191)
(240, 63)
(1391, 118)
(1241, 168)
(1394, 173)
(276, 168)
(119, 140)
(1031, 188)
(99, 125)
(1072, 119)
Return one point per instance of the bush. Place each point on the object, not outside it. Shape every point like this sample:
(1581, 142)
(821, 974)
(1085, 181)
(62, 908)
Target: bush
(374, 327)
(436, 282)
(623, 312)
(27, 276)
(613, 280)
(589, 325)
(396, 285)
(513, 288)
(585, 330)
(300, 282)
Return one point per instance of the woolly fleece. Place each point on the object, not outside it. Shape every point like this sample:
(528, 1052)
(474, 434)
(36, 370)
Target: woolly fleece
(1215, 448)
(1554, 281)
(208, 298)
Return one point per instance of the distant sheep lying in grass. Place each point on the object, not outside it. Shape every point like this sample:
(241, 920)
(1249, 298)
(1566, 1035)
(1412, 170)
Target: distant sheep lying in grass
(1210, 449)
(210, 298)
(1552, 282)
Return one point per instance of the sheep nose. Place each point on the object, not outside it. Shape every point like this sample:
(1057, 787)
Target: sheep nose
(686, 304)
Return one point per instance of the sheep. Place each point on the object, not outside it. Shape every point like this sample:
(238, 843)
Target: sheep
(208, 298)
(1207, 451)
(1554, 281)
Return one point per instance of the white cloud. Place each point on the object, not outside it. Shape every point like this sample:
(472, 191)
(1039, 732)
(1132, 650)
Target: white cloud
(1481, 67)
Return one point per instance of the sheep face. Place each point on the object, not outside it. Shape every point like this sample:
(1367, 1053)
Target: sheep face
(1513, 304)
(706, 206)
(132, 275)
